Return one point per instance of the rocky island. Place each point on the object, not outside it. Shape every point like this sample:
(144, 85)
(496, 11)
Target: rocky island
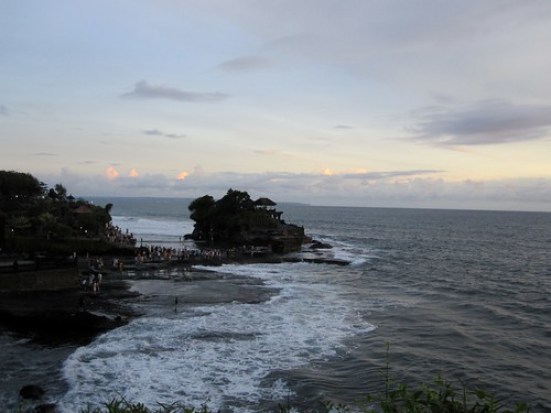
(236, 220)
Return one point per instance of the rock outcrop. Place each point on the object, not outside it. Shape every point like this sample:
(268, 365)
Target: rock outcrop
(236, 220)
(31, 392)
(70, 315)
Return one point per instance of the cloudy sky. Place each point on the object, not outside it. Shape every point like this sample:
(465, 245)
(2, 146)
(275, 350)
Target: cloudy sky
(407, 103)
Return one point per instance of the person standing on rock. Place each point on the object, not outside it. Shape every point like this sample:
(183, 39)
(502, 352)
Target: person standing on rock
(96, 282)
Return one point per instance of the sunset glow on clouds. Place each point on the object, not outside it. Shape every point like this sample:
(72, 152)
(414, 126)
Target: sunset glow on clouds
(375, 103)
(111, 173)
(182, 175)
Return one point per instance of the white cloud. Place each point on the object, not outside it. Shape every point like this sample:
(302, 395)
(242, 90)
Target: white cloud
(415, 189)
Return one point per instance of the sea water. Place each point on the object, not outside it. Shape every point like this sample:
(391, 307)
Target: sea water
(223, 354)
(464, 294)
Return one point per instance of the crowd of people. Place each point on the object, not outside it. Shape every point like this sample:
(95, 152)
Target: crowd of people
(160, 253)
(117, 235)
(93, 282)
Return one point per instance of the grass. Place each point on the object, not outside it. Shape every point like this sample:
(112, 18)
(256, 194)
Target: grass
(120, 405)
(441, 397)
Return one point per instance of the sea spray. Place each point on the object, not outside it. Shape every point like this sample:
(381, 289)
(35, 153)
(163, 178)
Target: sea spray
(221, 354)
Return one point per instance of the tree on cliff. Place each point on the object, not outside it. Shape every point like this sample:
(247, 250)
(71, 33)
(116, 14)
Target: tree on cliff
(34, 216)
(228, 220)
(18, 188)
(202, 212)
(222, 220)
(236, 220)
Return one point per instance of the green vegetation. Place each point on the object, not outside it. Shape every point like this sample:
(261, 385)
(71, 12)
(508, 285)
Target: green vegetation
(227, 219)
(236, 220)
(120, 405)
(36, 218)
(442, 396)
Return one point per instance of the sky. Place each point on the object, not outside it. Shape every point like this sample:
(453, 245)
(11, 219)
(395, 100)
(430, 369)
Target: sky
(392, 103)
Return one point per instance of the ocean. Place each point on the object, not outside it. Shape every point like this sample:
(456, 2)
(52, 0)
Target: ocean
(461, 294)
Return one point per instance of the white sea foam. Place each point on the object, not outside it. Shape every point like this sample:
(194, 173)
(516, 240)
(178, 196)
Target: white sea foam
(151, 229)
(345, 251)
(220, 354)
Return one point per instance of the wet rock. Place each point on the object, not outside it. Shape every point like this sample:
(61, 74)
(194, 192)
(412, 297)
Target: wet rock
(320, 245)
(32, 392)
(45, 408)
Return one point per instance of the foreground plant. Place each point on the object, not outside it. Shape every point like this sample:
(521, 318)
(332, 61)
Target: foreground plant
(442, 397)
(121, 405)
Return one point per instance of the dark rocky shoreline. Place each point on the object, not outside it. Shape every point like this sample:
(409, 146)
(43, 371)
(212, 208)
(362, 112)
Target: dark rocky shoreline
(66, 316)
(77, 315)
(57, 313)
(73, 317)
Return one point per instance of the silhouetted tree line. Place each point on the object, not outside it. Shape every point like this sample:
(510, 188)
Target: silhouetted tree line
(29, 209)
(232, 220)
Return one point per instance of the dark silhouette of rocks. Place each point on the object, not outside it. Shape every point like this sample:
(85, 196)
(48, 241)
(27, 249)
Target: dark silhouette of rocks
(66, 316)
(236, 220)
(31, 392)
(45, 408)
(318, 245)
